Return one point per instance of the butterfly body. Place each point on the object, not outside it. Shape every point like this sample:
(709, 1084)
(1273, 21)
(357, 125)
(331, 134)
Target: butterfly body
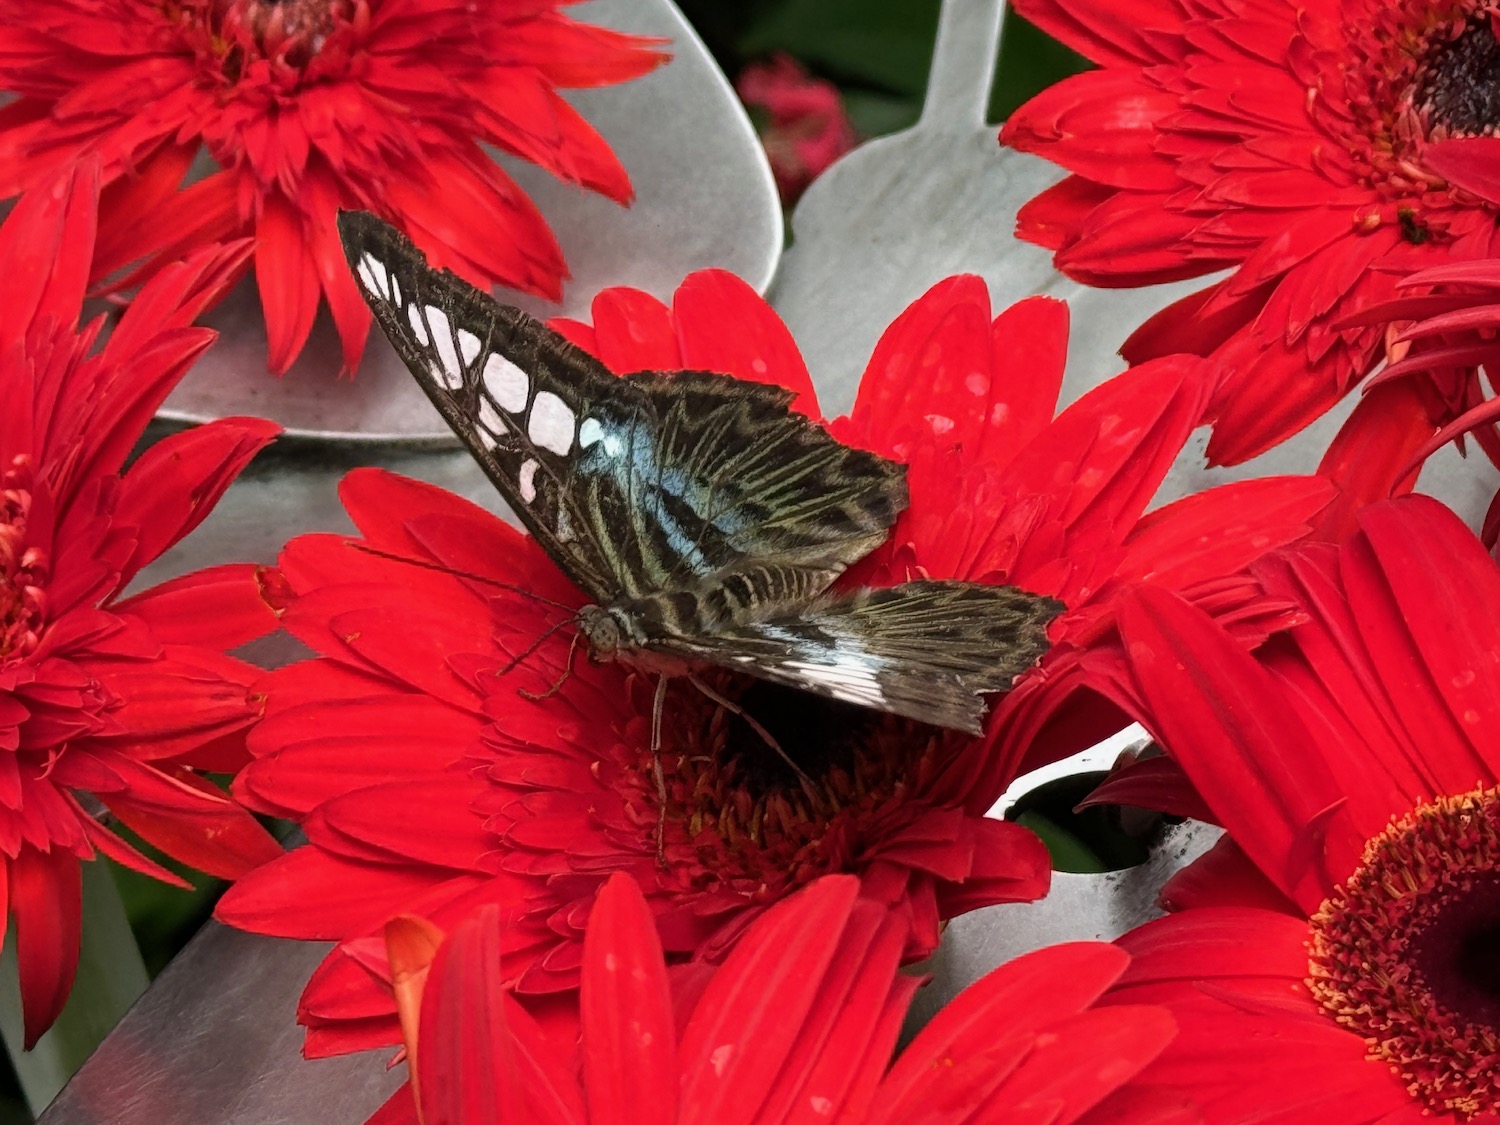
(706, 520)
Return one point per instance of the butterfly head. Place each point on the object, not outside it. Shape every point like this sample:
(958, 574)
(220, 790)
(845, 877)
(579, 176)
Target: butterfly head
(606, 630)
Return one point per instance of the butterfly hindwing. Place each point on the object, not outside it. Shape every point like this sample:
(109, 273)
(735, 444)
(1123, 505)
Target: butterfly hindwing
(637, 484)
(927, 650)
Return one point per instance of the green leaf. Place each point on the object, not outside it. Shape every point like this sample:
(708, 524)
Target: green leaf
(882, 43)
(1030, 61)
(874, 115)
(1068, 851)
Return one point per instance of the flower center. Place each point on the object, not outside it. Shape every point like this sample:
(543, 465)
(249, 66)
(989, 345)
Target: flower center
(23, 569)
(1409, 74)
(740, 811)
(1459, 89)
(289, 33)
(1407, 952)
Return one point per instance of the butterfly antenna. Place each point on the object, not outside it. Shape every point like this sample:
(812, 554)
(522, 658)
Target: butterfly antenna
(456, 573)
(567, 667)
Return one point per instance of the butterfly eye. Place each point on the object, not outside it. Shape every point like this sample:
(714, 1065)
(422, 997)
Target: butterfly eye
(602, 630)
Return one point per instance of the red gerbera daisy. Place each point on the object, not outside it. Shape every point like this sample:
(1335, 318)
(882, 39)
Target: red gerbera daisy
(1342, 938)
(1311, 147)
(426, 783)
(304, 107)
(123, 699)
(797, 1025)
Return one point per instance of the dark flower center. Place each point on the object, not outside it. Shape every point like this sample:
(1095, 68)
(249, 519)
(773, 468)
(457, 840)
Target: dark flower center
(1406, 75)
(751, 815)
(1407, 952)
(1459, 88)
(23, 569)
(818, 736)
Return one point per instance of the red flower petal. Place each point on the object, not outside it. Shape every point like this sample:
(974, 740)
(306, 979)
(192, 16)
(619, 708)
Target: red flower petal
(1010, 864)
(1125, 433)
(177, 482)
(1223, 876)
(287, 279)
(46, 899)
(190, 819)
(524, 115)
(760, 348)
(1425, 574)
(377, 823)
(1209, 534)
(1113, 33)
(221, 607)
(1100, 125)
(747, 1020)
(480, 1047)
(1048, 989)
(1471, 163)
(931, 369)
(630, 1059)
(633, 331)
(1216, 712)
(343, 897)
(47, 241)
(336, 745)
(199, 215)
(578, 55)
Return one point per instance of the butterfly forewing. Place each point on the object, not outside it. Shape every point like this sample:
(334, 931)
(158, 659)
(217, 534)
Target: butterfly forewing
(926, 650)
(636, 484)
(511, 394)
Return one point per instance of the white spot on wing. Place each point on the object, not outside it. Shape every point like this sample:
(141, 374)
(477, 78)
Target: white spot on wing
(852, 679)
(489, 418)
(451, 374)
(845, 669)
(527, 481)
(551, 423)
(418, 325)
(380, 280)
(592, 432)
(468, 344)
(506, 383)
(395, 290)
(367, 275)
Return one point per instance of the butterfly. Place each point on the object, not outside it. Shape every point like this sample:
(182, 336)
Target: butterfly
(706, 520)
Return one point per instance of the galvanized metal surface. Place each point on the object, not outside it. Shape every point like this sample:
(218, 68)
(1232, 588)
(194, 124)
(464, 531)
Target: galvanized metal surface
(213, 1040)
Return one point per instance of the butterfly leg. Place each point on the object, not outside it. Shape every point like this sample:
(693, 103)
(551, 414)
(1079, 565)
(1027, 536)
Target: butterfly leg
(534, 696)
(657, 705)
(750, 721)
